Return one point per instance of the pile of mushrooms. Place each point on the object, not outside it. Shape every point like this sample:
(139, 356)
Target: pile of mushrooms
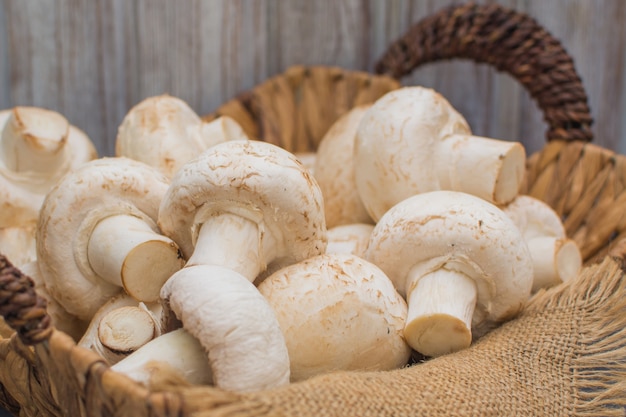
(197, 249)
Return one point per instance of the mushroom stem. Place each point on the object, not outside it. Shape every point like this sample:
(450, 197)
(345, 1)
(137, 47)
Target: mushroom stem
(488, 168)
(555, 260)
(124, 250)
(231, 241)
(177, 350)
(33, 140)
(124, 330)
(440, 309)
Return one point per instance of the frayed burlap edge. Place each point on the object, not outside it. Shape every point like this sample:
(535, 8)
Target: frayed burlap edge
(599, 366)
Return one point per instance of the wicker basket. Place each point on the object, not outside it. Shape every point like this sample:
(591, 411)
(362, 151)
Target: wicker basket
(44, 373)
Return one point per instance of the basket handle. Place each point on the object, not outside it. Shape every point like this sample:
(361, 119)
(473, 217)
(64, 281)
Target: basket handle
(22, 309)
(510, 41)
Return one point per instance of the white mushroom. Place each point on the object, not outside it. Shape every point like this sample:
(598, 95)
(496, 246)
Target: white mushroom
(349, 238)
(413, 141)
(244, 205)
(334, 171)
(176, 351)
(97, 234)
(460, 262)
(556, 258)
(238, 208)
(121, 326)
(235, 325)
(37, 147)
(338, 312)
(164, 132)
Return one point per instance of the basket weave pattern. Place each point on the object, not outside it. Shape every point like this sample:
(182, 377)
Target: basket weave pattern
(545, 361)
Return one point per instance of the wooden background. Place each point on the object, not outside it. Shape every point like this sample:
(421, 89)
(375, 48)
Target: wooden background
(93, 59)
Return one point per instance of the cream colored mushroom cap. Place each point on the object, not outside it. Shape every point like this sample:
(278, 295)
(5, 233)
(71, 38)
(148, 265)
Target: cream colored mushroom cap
(530, 213)
(98, 189)
(338, 312)
(462, 232)
(22, 193)
(395, 146)
(257, 180)
(159, 132)
(334, 171)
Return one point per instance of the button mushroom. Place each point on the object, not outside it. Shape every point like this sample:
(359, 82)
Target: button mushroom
(37, 147)
(97, 234)
(413, 141)
(121, 326)
(556, 258)
(164, 132)
(244, 205)
(460, 262)
(238, 208)
(338, 312)
(334, 171)
(234, 324)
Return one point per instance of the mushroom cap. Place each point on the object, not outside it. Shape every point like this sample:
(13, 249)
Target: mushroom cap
(157, 131)
(395, 144)
(22, 193)
(349, 238)
(334, 171)
(534, 217)
(338, 312)
(73, 207)
(257, 180)
(234, 323)
(461, 232)
(164, 132)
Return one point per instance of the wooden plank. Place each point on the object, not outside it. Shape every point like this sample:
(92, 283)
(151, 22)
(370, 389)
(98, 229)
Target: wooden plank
(5, 65)
(93, 60)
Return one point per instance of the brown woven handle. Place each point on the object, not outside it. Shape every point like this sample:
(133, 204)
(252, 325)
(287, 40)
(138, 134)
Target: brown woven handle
(20, 305)
(510, 41)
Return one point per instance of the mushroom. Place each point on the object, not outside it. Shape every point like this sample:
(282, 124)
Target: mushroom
(176, 351)
(556, 258)
(460, 262)
(97, 234)
(37, 147)
(234, 324)
(335, 174)
(244, 205)
(338, 312)
(121, 326)
(164, 132)
(238, 208)
(413, 141)
(349, 238)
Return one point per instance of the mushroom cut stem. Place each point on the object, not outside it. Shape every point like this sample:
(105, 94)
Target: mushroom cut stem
(555, 260)
(233, 242)
(487, 168)
(122, 248)
(124, 330)
(441, 307)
